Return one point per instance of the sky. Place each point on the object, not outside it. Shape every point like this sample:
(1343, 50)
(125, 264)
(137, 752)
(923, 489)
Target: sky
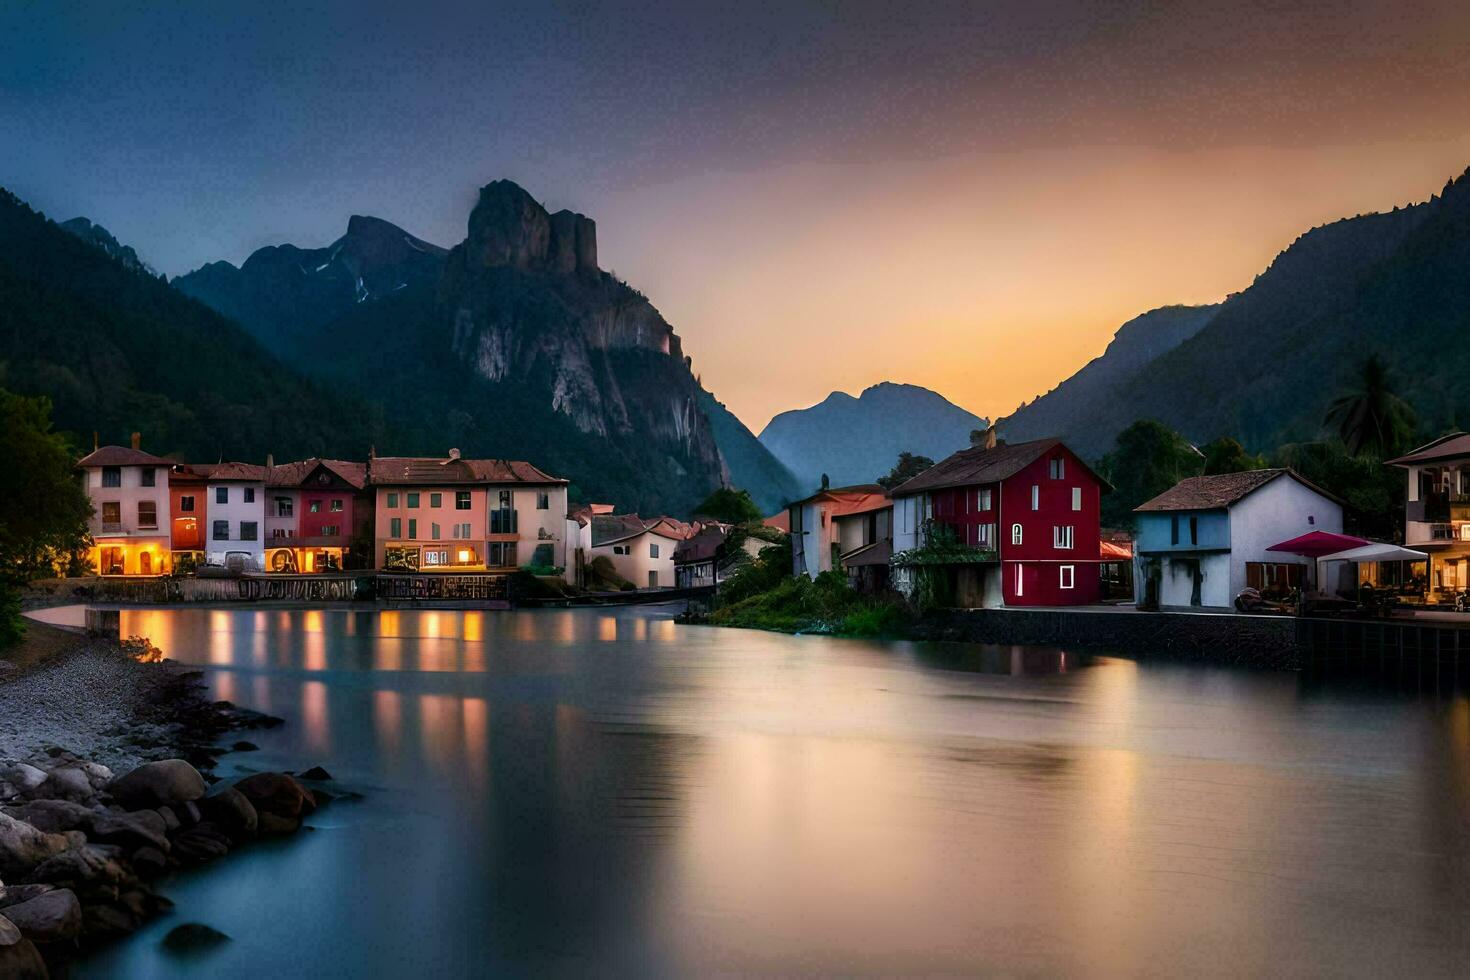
(818, 196)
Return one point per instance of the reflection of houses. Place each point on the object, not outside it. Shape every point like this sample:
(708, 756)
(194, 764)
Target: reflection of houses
(834, 522)
(457, 514)
(315, 510)
(1204, 540)
(714, 554)
(130, 501)
(641, 550)
(236, 494)
(999, 524)
(1437, 511)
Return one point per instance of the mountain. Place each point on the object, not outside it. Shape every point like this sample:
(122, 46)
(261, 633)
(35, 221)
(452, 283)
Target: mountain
(1069, 408)
(102, 238)
(857, 440)
(512, 343)
(751, 464)
(282, 292)
(118, 350)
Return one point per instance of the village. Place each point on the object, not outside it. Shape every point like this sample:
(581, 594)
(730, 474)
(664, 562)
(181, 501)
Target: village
(994, 525)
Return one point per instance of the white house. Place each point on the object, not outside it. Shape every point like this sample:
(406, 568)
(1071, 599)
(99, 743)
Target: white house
(1204, 540)
(819, 538)
(642, 551)
(130, 510)
(235, 495)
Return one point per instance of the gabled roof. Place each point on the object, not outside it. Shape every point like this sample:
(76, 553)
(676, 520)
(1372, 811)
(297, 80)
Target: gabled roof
(1456, 445)
(781, 521)
(846, 501)
(296, 474)
(1221, 490)
(614, 528)
(121, 456)
(428, 470)
(978, 465)
(703, 546)
(232, 472)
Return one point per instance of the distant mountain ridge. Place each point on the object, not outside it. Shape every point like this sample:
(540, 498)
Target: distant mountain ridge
(1265, 365)
(97, 235)
(856, 440)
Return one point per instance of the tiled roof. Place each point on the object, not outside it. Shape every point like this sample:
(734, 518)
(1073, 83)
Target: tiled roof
(977, 465)
(235, 471)
(703, 546)
(296, 473)
(877, 553)
(1220, 490)
(408, 470)
(781, 521)
(1453, 446)
(611, 528)
(122, 456)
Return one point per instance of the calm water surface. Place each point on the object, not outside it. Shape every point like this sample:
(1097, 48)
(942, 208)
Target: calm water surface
(608, 793)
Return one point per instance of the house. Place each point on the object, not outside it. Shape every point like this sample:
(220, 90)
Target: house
(236, 494)
(999, 524)
(641, 550)
(865, 541)
(188, 502)
(1437, 513)
(319, 516)
(1116, 572)
(834, 521)
(716, 552)
(130, 523)
(1203, 541)
(454, 514)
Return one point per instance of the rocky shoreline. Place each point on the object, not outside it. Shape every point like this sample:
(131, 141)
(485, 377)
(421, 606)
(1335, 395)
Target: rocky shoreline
(106, 786)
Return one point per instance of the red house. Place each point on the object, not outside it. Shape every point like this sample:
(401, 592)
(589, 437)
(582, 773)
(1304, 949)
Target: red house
(1012, 525)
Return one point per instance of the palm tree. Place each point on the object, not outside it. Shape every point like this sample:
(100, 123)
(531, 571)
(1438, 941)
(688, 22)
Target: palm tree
(1372, 419)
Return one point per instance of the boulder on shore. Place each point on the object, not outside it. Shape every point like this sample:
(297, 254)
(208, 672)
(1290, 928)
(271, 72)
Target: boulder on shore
(279, 800)
(50, 917)
(232, 812)
(22, 846)
(154, 784)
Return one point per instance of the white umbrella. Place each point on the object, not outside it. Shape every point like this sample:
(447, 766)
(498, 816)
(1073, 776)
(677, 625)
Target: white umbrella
(1376, 552)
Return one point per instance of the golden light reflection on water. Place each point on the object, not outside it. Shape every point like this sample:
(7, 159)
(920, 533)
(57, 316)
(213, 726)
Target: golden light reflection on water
(388, 720)
(314, 716)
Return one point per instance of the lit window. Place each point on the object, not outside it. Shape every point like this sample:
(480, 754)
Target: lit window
(1035, 497)
(1020, 581)
(111, 512)
(1015, 534)
(1068, 576)
(1076, 498)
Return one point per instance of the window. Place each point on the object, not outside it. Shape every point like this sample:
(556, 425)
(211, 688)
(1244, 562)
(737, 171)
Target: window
(434, 531)
(250, 495)
(435, 500)
(395, 527)
(413, 499)
(1020, 579)
(249, 531)
(336, 506)
(413, 528)
(1194, 530)
(1058, 468)
(112, 476)
(285, 507)
(221, 495)
(111, 512)
(505, 500)
(543, 500)
(982, 499)
(500, 554)
(461, 500)
(221, 530)
(1061, 536)
(986, 536)
(652, 550)
(1035, 497)
(433, 556)
(186, 504)
(1174, 529)
(464, 530)
(1067, 575)
(147, 513)
(331, 530)
(392, 499)
(150, 476)
(1015, 534)
(315, 507)
(620, 549)
(1076, 498)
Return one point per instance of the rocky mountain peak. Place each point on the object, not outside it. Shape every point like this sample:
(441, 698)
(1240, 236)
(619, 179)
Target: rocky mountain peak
(99, 236)
(508, 227)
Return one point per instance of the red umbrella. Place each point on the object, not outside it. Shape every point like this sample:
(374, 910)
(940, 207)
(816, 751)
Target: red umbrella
(1315, 544)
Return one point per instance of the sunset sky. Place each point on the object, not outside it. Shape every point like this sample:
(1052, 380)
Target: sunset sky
(820, 196)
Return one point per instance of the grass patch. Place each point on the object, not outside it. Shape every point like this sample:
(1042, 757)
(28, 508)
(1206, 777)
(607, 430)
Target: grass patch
(802, 605)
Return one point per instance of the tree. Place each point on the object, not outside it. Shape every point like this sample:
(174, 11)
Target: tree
(1372, 419)
(1226, 455)
(1147, 459)
(907, 467)
(730, 506)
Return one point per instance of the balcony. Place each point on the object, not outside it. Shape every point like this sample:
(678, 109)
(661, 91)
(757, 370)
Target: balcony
(1435, 532)
(111, 527)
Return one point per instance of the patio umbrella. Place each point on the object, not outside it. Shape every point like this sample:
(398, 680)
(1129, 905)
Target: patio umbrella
(1374, 551)
(1317, 544)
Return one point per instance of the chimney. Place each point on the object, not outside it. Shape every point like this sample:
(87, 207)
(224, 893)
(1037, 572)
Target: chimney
(95, 443)
(990, 440)
(137, 440)
(270, 461)
(983, 438)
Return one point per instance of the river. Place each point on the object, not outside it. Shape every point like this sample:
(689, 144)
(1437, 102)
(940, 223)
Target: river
(591, 792)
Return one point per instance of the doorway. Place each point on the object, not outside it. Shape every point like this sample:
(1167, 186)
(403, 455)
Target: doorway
(653, 580)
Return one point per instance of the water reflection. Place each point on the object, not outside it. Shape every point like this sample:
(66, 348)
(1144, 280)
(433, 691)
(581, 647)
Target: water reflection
(599, 792)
